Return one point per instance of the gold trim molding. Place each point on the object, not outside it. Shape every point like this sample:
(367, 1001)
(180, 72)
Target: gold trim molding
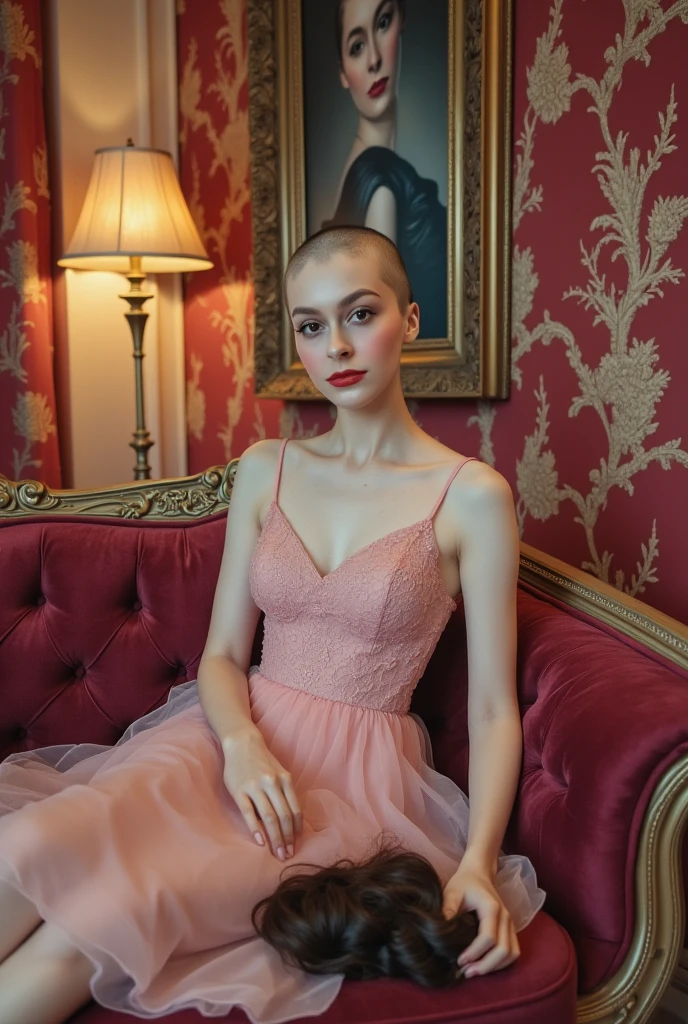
(474, 360)
(631, 996)
(180, 499)
(635, 619)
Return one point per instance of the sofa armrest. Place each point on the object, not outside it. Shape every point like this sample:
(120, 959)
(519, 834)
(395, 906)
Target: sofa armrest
(603, 798)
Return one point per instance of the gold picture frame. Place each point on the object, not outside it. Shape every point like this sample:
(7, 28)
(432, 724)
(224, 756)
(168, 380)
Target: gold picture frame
(474, 360)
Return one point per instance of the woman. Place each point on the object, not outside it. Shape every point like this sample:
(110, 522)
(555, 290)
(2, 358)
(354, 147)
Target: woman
(130, 873)
(378, 188)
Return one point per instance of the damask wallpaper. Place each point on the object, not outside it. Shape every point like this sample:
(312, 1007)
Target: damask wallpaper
(594, 439)
(28, 435)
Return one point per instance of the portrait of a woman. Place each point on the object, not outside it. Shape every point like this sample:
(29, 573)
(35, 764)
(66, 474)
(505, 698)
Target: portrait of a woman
(376, 186)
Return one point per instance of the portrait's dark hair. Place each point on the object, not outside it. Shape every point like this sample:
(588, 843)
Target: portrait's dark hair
(339, 22)
(355, 240)
(379, 918)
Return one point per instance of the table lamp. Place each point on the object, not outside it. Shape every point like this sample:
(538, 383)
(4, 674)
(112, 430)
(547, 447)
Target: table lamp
(135, 220)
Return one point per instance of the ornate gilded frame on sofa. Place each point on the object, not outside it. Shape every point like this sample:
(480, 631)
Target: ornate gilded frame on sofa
(634, 992)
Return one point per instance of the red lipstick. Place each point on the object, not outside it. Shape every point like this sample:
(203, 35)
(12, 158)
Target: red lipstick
(343, 378)
(377, 88)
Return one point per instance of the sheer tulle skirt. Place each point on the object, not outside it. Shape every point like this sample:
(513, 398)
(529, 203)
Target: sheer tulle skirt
(144, 860)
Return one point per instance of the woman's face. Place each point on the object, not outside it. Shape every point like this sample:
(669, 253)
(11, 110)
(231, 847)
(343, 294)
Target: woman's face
(345, 317)
(371, 41)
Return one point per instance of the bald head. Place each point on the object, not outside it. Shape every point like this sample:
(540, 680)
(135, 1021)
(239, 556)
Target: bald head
(355, 241)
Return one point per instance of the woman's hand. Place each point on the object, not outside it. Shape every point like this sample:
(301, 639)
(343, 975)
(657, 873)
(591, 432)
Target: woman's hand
(496, 946)
(263, 791)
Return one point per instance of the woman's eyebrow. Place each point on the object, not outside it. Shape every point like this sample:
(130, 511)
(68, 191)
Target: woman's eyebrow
(358, 30)
(346, 301)
(342, 304)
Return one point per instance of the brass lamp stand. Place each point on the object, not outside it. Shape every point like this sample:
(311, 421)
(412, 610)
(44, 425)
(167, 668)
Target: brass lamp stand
(137, 317)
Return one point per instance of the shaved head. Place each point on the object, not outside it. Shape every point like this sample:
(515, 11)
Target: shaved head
(355, 241)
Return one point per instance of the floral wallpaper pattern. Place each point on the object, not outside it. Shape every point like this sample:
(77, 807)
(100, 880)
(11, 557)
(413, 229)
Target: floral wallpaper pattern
(593, 438)
(28, 436)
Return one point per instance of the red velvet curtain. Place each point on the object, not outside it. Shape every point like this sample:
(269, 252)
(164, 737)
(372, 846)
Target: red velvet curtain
(594, 438)
(28, 432)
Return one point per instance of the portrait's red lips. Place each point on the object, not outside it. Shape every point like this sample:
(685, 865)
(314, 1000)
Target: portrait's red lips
(346, 374)
(377, 88)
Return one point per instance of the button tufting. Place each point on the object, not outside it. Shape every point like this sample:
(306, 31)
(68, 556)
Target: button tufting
(19, 733)
(80, 672)
(137, 606)
(40, 599)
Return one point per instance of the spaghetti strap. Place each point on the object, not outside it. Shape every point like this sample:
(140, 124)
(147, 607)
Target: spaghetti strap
(453, 473)
(279, 468)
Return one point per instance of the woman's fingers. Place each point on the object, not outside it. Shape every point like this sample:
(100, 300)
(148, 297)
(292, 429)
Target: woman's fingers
(268, 802)
(515, 945)
(270, 820)
(246, 807)
(451, 902)
(293, 801)
(503, 953)
(278, 799)
(487, 936)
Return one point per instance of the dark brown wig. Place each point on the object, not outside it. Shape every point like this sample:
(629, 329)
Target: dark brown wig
(379, 918)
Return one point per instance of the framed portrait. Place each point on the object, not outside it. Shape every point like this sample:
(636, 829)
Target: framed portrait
(395, 114)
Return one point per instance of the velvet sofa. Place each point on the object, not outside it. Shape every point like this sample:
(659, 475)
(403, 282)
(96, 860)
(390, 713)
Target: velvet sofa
(105, 599)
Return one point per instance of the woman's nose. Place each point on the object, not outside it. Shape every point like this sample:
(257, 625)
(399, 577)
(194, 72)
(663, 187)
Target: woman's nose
(339, 343)
(375, 58)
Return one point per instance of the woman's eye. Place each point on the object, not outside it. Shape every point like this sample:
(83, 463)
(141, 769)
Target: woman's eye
(384, 22)
(309, 328)
(356, 48)
(360, 316)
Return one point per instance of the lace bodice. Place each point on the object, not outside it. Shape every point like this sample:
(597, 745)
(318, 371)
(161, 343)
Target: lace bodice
(361, 634)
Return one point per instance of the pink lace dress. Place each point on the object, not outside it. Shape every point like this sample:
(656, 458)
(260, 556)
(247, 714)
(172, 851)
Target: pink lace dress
(140, 855)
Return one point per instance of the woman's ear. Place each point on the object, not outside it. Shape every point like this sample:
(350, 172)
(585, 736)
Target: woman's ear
(342, 78)
(412, 322)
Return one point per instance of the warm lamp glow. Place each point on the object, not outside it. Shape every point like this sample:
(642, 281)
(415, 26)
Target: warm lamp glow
(135, 220)
(134, 207)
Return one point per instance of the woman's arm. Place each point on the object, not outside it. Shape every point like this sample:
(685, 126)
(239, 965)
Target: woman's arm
(222, 681)
(259, 784)
(382, 212)
(489, 562)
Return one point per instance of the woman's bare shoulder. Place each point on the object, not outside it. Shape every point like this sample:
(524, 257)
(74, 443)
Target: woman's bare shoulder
(481, 482)
(255, 475)
(481, 499)
(476, 486)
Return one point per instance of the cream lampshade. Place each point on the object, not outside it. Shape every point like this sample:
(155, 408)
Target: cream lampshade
(135, 207)
(135, 220)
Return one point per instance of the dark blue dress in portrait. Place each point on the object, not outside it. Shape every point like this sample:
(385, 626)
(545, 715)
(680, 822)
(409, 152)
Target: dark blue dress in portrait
(421, 226)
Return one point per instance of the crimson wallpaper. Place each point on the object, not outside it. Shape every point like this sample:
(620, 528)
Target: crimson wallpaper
(28, 434)
(594, 438)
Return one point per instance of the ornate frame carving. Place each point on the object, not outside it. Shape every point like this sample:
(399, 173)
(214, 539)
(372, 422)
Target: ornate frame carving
(190, 497)
(636, 989)
(475, 360)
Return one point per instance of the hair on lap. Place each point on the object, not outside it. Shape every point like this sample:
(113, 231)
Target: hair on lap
(381, 917)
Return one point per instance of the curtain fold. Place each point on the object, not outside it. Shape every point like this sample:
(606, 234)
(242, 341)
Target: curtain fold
(28, 431)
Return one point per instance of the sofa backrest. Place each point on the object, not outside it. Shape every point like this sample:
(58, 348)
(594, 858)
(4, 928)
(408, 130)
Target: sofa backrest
(100, 616)
(98, 619)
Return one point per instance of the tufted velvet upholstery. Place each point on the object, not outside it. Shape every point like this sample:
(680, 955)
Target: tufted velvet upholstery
(99, 617)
